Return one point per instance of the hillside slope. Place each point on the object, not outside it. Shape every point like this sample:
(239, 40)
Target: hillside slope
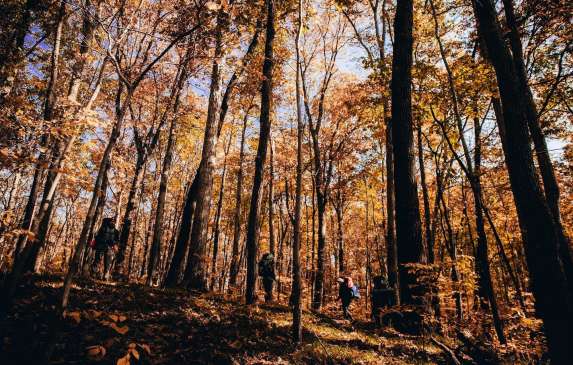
(107, 322)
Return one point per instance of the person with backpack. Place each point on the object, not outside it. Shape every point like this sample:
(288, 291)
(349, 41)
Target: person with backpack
(382, 297)
(347, 291)
(267, 272)
(106, 241)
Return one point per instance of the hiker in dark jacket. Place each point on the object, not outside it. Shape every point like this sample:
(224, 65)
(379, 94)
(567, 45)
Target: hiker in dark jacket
(346, 293)
(382, 297)
(267, 272)
(106, 241)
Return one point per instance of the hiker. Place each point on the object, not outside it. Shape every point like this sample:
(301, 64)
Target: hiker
(382, 297)
(106, 241)
(347, 291)
(267, 272)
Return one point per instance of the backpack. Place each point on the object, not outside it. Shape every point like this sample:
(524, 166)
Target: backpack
(106, 236)
(355, 292)
(266, 267)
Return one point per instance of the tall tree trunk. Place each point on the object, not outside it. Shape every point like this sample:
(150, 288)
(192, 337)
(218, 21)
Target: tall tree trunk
(28, 247)
(391, 247)
(338, 208)
(234, 268)
(61, 149)
(216, 229)
(550, 185)
(271, 198)
(296, 276)
(538, 227)
(197, 262)
(425, 197)
(318, 292)
(408, 227)
(129, 208)
(97, 215)
(163, 185)
(265, 128)
(82, 241)
(452, 248)
(486, 284)
(182, 239)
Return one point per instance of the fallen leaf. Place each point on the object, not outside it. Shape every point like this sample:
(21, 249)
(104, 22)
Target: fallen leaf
(96, 353)
(121, 330)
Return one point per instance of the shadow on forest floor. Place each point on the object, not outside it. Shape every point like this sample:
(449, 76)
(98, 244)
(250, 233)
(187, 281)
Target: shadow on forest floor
(106, 322)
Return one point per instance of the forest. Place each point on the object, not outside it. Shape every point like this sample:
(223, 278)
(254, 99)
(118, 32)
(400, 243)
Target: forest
(286, 182)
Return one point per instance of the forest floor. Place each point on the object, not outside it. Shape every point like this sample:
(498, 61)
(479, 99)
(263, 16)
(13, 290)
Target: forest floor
(120, 324)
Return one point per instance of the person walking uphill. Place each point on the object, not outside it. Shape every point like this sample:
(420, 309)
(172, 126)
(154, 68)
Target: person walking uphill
(267, 272)
(347, 291)
(106, 241)
(382, 297)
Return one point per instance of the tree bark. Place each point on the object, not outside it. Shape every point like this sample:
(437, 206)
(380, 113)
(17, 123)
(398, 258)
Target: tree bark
(425, 197)
(408, 228)
(197, 262)
(296, 275)
(550, 185)
(216, 229)
(234, 267)
(391, 247)
(164, 181)
(538, 227)
(29, 247)
(265, 128)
